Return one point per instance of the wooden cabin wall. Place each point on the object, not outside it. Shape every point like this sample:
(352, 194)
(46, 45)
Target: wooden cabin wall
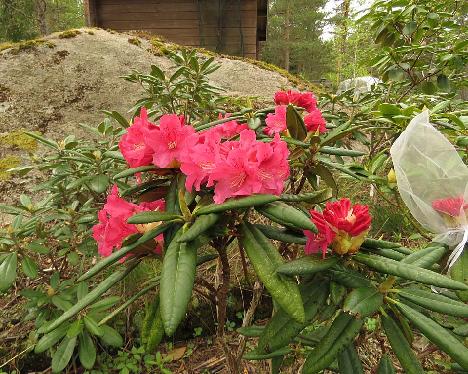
(178, 21)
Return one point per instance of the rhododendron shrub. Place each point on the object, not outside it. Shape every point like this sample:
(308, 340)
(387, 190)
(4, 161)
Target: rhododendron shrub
(186, 183)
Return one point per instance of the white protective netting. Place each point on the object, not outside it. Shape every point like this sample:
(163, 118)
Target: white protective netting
(433, 182)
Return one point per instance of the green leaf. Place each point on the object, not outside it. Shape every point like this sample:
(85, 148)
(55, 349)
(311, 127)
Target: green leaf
(61, 303)
(92, 326)
(105, 303)
(254, 355)
(389, 110)
(111, 337)
(344, 152)
(153, 216)
(349, 362)
(63, 354)
(410, 27)
(30, 268)
(99, 183)
(295, 124)
(243, 202)
(117, 117)
(307, 265)
(265, 259)
(282, 328)
(401, 347)
(348, 277)
(47, 142)
(132, 171)
(429, 88)
(435, 302)
(177, 279)
(92, 296)
(156, 331)
(251, 331)
(324, 173)
(282, 235)
(201, 224)
(426, 257)
(408, 271)
(341, 333)
(50, 339)
(86, 351)
(363, 301)
(459, 272)
(8, 271)
(310, 197)
(75, 328)
(437, 334)
(443, 82)
(385, 366)
(287, 215)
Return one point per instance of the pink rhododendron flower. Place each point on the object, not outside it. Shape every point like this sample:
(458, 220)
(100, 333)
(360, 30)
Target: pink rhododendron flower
(304, 100)
(314, 121)
(228, 129)
(248, 167)
(273, 166)
(276, 123)
(453, 206)
(169, 140)
(198, 162)
(319, 242)
(113, 228)
(349, 224)
(133, 146)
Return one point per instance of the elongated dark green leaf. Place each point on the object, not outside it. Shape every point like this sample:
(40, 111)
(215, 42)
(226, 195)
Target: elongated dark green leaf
(435, 302)
(92, 326)
(437, 334)
(201, 224)
(385, 366)
(86, 350)
(341, 152)
(63, 354)
(307, 265)
(50, 339)
(348, 277)
(254, 355)
(149, 217)
(295, 124)
(8, 271)
(117, 276)
(363, 301)
(132, 171)
(374, 243)
(282, 328)
(156, 331)
(401, 347)
(324, 173)
(49, 143)
(177, 278)
(426, 257)
(251, 331)
(386, 252)
(408, 271)
(265, 259)
(118, 117)
(111, 337)
(30, 267)
(244, 202)
(117, 255)
(339, 336)
(459, 272)
(461, 330)
(281, 212)
(349, 362)
(282, 235)
(310, 197)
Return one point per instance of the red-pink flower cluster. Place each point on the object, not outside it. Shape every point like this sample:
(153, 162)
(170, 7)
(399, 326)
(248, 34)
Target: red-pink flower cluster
(340, 225)
(233, 167)
(276, 122)
(113, 228)
(453, 206)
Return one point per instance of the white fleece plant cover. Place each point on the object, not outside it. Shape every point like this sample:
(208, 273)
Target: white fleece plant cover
(433, 182)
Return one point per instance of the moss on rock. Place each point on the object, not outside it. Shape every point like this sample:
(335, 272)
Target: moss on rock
(8, 163)
(69, 34)
(20, 140)
(27, 45)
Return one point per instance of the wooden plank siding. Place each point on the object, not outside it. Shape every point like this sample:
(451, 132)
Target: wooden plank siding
(181, 21)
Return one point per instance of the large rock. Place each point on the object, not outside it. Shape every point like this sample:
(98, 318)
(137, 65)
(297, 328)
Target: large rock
(53, 87)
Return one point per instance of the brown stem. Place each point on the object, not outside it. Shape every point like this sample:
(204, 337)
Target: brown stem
(244, 264)
(257, 293)
(221, 297)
